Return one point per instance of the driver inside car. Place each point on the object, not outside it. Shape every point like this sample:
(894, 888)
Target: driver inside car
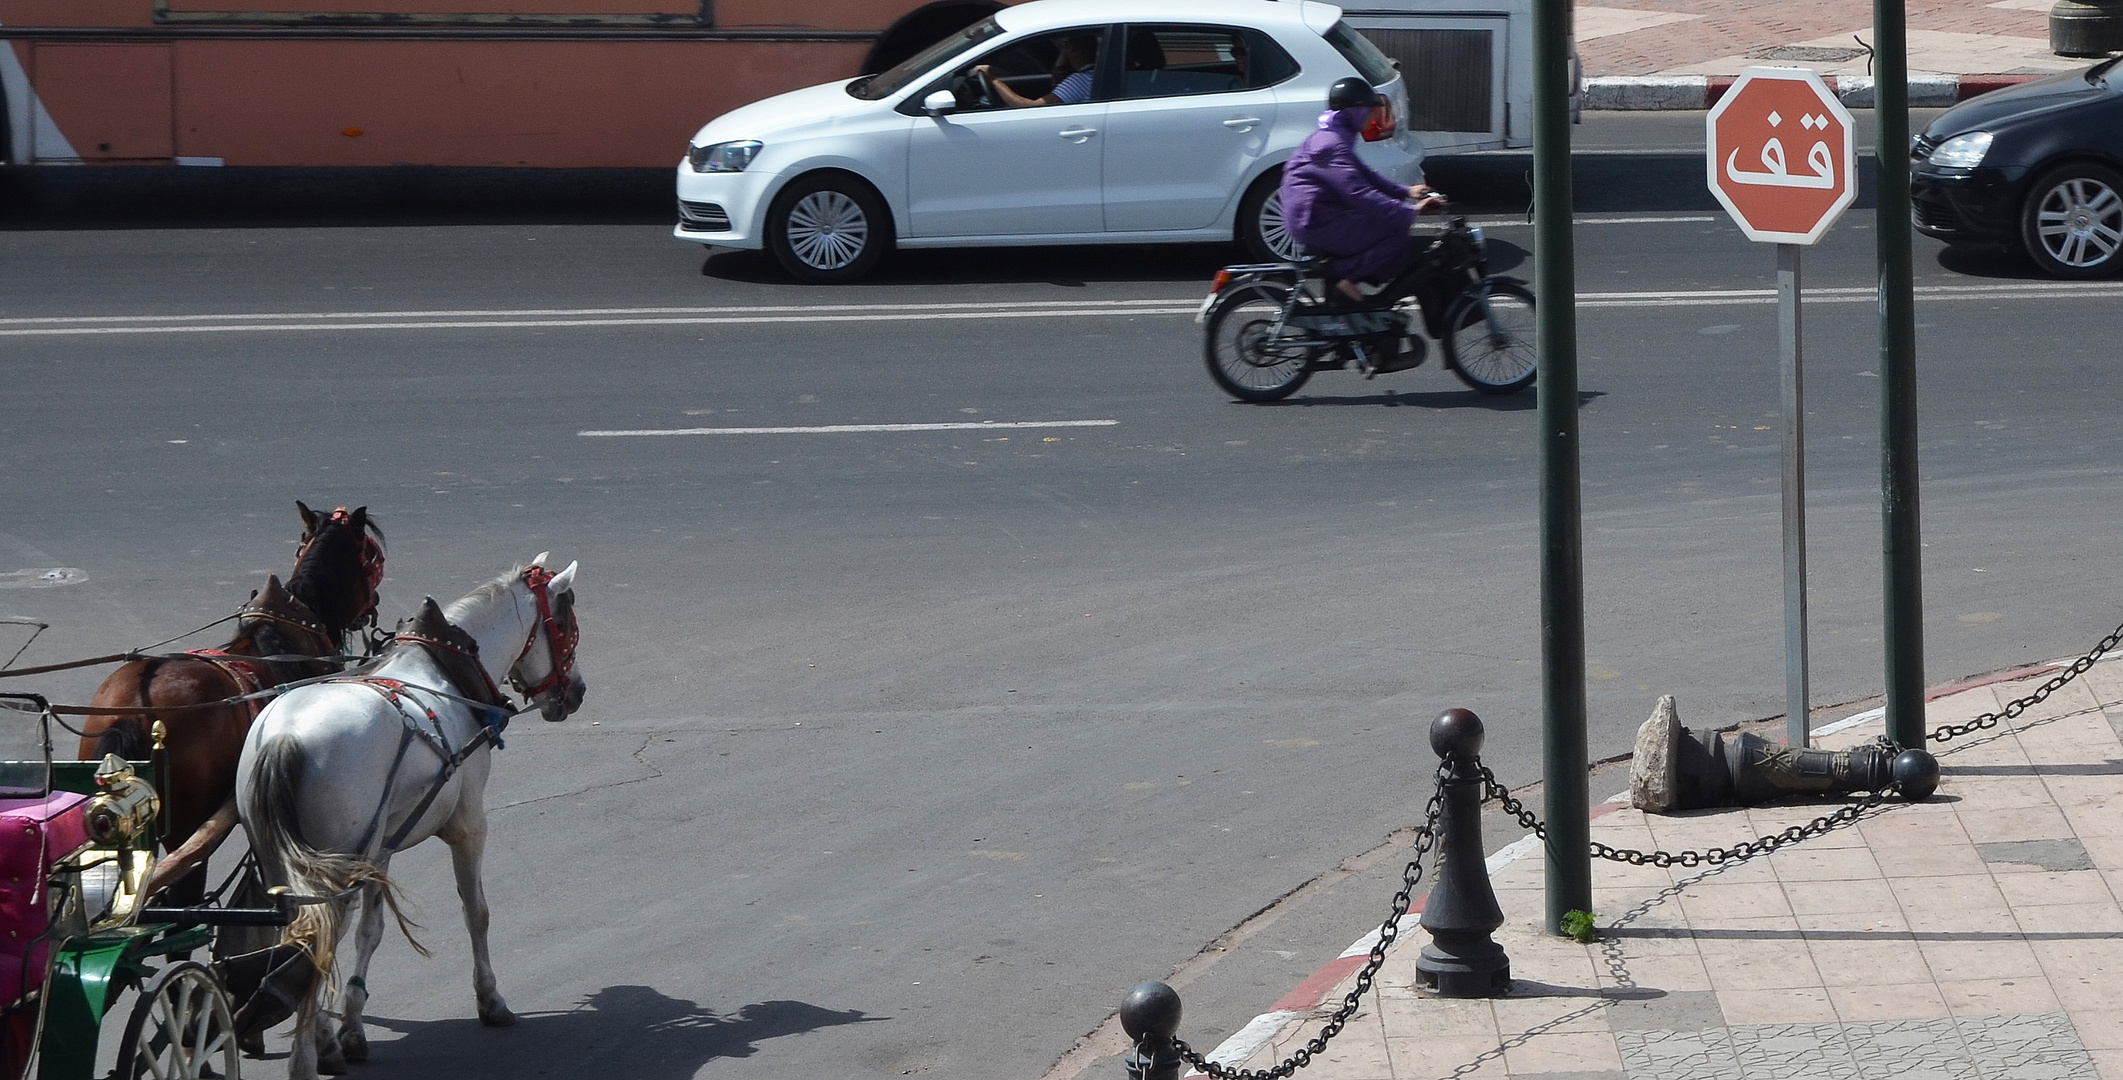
(1337, 206)
(1074, 67)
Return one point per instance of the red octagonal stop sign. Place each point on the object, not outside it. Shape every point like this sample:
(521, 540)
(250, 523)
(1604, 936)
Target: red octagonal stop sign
(1780, 155)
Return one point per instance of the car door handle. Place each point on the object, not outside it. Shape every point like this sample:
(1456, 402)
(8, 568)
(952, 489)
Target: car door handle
(1078, 134)
(1242, 123)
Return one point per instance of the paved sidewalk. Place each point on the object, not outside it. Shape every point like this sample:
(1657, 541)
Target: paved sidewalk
(1976, 936)
(1721, 37)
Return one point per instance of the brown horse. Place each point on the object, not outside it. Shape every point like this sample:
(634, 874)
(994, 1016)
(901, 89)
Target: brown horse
(331, 591)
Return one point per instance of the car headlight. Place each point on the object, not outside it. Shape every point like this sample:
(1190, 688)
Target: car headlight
(1962, 151)
(723, 156)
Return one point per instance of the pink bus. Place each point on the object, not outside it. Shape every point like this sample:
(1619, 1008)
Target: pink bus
(478, 83)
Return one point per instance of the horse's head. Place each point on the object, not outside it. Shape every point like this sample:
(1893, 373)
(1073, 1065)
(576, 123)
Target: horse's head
(545, 672)
(338, 567)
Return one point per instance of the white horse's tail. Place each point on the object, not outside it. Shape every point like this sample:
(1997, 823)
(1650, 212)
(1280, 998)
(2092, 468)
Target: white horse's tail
(277, 841)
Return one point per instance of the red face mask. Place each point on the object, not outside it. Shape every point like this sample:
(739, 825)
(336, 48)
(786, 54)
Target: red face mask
(1380, 126)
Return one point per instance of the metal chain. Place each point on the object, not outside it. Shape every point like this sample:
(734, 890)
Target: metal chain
(1425, 839)
(1762, 845)
(1990, 720)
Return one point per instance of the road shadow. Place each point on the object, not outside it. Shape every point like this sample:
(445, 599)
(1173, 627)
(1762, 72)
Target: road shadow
(620, 1031)
(2003, 262)
(1438, 400)
(1068, 267)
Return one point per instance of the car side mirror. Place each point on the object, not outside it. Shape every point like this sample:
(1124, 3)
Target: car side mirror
(939, 103)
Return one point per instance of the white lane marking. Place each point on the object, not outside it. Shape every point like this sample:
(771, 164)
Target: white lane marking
(1498, 223)
(839, 429)
(751, 309)
(565, 318)
(1169, 307)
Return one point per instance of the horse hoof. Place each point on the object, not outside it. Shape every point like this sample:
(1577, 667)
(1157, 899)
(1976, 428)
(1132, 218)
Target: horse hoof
(354, 1045)
(499, 1016)
(251, 1044)
(330, 1060)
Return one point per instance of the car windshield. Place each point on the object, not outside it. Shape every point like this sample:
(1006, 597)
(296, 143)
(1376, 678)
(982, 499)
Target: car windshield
(891, 82)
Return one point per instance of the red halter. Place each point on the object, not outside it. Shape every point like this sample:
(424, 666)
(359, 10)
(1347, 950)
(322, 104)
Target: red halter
(560, 645)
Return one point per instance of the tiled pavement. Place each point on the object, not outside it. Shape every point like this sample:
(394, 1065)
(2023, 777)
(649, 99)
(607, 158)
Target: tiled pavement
(1721, 37)
(1976, 936)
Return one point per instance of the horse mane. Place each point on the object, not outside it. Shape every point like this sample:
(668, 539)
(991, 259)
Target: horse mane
(483, 597)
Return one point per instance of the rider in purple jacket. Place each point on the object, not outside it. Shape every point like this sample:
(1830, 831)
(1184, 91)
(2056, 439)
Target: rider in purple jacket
(1337, 206)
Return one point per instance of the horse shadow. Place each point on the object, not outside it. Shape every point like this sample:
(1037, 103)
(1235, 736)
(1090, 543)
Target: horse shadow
(631, 1031)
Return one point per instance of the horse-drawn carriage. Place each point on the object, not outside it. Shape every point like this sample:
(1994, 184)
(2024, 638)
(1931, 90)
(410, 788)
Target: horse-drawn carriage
(103, 860)
(78, 843)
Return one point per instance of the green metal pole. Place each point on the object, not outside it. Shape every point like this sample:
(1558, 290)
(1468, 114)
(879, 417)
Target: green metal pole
(1902, 584)
(1564, 755)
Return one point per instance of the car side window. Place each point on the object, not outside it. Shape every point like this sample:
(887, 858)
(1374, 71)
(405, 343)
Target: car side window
(1176, 61)
(1051, 69)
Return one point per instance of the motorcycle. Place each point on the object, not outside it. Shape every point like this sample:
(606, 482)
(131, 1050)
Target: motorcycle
(1269, 326)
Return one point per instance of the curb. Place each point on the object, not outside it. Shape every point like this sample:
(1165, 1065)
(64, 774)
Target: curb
(1697, 92)
(1317, 990)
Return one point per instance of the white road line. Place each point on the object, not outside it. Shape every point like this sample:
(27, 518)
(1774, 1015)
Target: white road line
(1499, 223)
(1170, 307)
(565, 318)
(840, 429)
(754, 309)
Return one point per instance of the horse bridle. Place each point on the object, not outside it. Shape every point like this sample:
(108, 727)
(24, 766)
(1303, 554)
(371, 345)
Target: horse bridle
(560, 645)
(371, 563)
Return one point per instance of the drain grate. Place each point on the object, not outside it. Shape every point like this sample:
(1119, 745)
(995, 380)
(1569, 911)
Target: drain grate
(1806, 53)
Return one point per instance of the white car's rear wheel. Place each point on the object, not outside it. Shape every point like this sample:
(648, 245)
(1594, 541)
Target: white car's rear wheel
(828, 228)
(1261, 230)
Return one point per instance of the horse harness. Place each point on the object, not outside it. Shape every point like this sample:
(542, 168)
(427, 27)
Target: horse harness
(457, 653)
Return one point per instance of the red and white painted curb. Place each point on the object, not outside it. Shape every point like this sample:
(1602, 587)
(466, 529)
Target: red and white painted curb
(1316, 990)
(1693, 92)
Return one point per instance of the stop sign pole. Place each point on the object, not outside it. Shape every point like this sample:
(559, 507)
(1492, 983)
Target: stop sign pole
(1780, 154)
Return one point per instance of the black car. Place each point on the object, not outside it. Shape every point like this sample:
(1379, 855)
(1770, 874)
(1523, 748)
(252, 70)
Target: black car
(2039, 165)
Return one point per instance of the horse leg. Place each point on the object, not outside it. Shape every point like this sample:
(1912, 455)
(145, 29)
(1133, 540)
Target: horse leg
(330, 1061)
(353, 1042)
(466, 833)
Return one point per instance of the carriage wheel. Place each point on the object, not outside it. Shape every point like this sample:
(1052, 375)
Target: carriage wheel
(180, 1028)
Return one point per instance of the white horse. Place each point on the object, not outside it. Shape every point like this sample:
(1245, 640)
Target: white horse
(337, 776)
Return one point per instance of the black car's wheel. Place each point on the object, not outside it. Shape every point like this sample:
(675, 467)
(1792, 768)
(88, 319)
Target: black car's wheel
(1260, 221)
(827, 228)
(1246, 355)
(2072, 224)
(1490, 340)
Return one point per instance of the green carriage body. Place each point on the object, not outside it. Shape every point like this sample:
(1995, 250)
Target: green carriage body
(91, 972)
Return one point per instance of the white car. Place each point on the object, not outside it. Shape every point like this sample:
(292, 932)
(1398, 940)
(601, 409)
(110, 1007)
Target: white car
(1176, 130)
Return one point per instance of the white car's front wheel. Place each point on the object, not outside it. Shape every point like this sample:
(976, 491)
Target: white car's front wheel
(827, 228)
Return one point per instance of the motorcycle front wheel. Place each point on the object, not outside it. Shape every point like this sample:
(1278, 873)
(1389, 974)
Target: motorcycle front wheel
(1489, 337)
(1244, 357)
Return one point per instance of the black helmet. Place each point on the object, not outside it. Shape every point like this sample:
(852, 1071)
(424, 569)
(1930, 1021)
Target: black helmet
(1352, 93)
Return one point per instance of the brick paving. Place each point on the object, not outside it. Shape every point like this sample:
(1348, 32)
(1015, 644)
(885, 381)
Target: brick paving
(1720, 37)
(1976, 936)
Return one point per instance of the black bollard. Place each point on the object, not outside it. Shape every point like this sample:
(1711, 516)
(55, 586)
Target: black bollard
(1150, 1016)
(1461, 960)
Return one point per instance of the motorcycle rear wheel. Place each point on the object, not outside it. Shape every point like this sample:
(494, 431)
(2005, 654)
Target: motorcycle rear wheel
(1241, 359)
(1489, 337)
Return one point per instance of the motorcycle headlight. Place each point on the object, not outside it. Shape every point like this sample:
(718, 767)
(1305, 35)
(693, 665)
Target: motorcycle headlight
(723, 156)
(1962, 151)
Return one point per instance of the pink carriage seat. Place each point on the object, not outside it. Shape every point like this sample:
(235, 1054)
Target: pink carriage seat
(35, 834)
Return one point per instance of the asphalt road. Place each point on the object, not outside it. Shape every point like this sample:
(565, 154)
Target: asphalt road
(908, 752)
